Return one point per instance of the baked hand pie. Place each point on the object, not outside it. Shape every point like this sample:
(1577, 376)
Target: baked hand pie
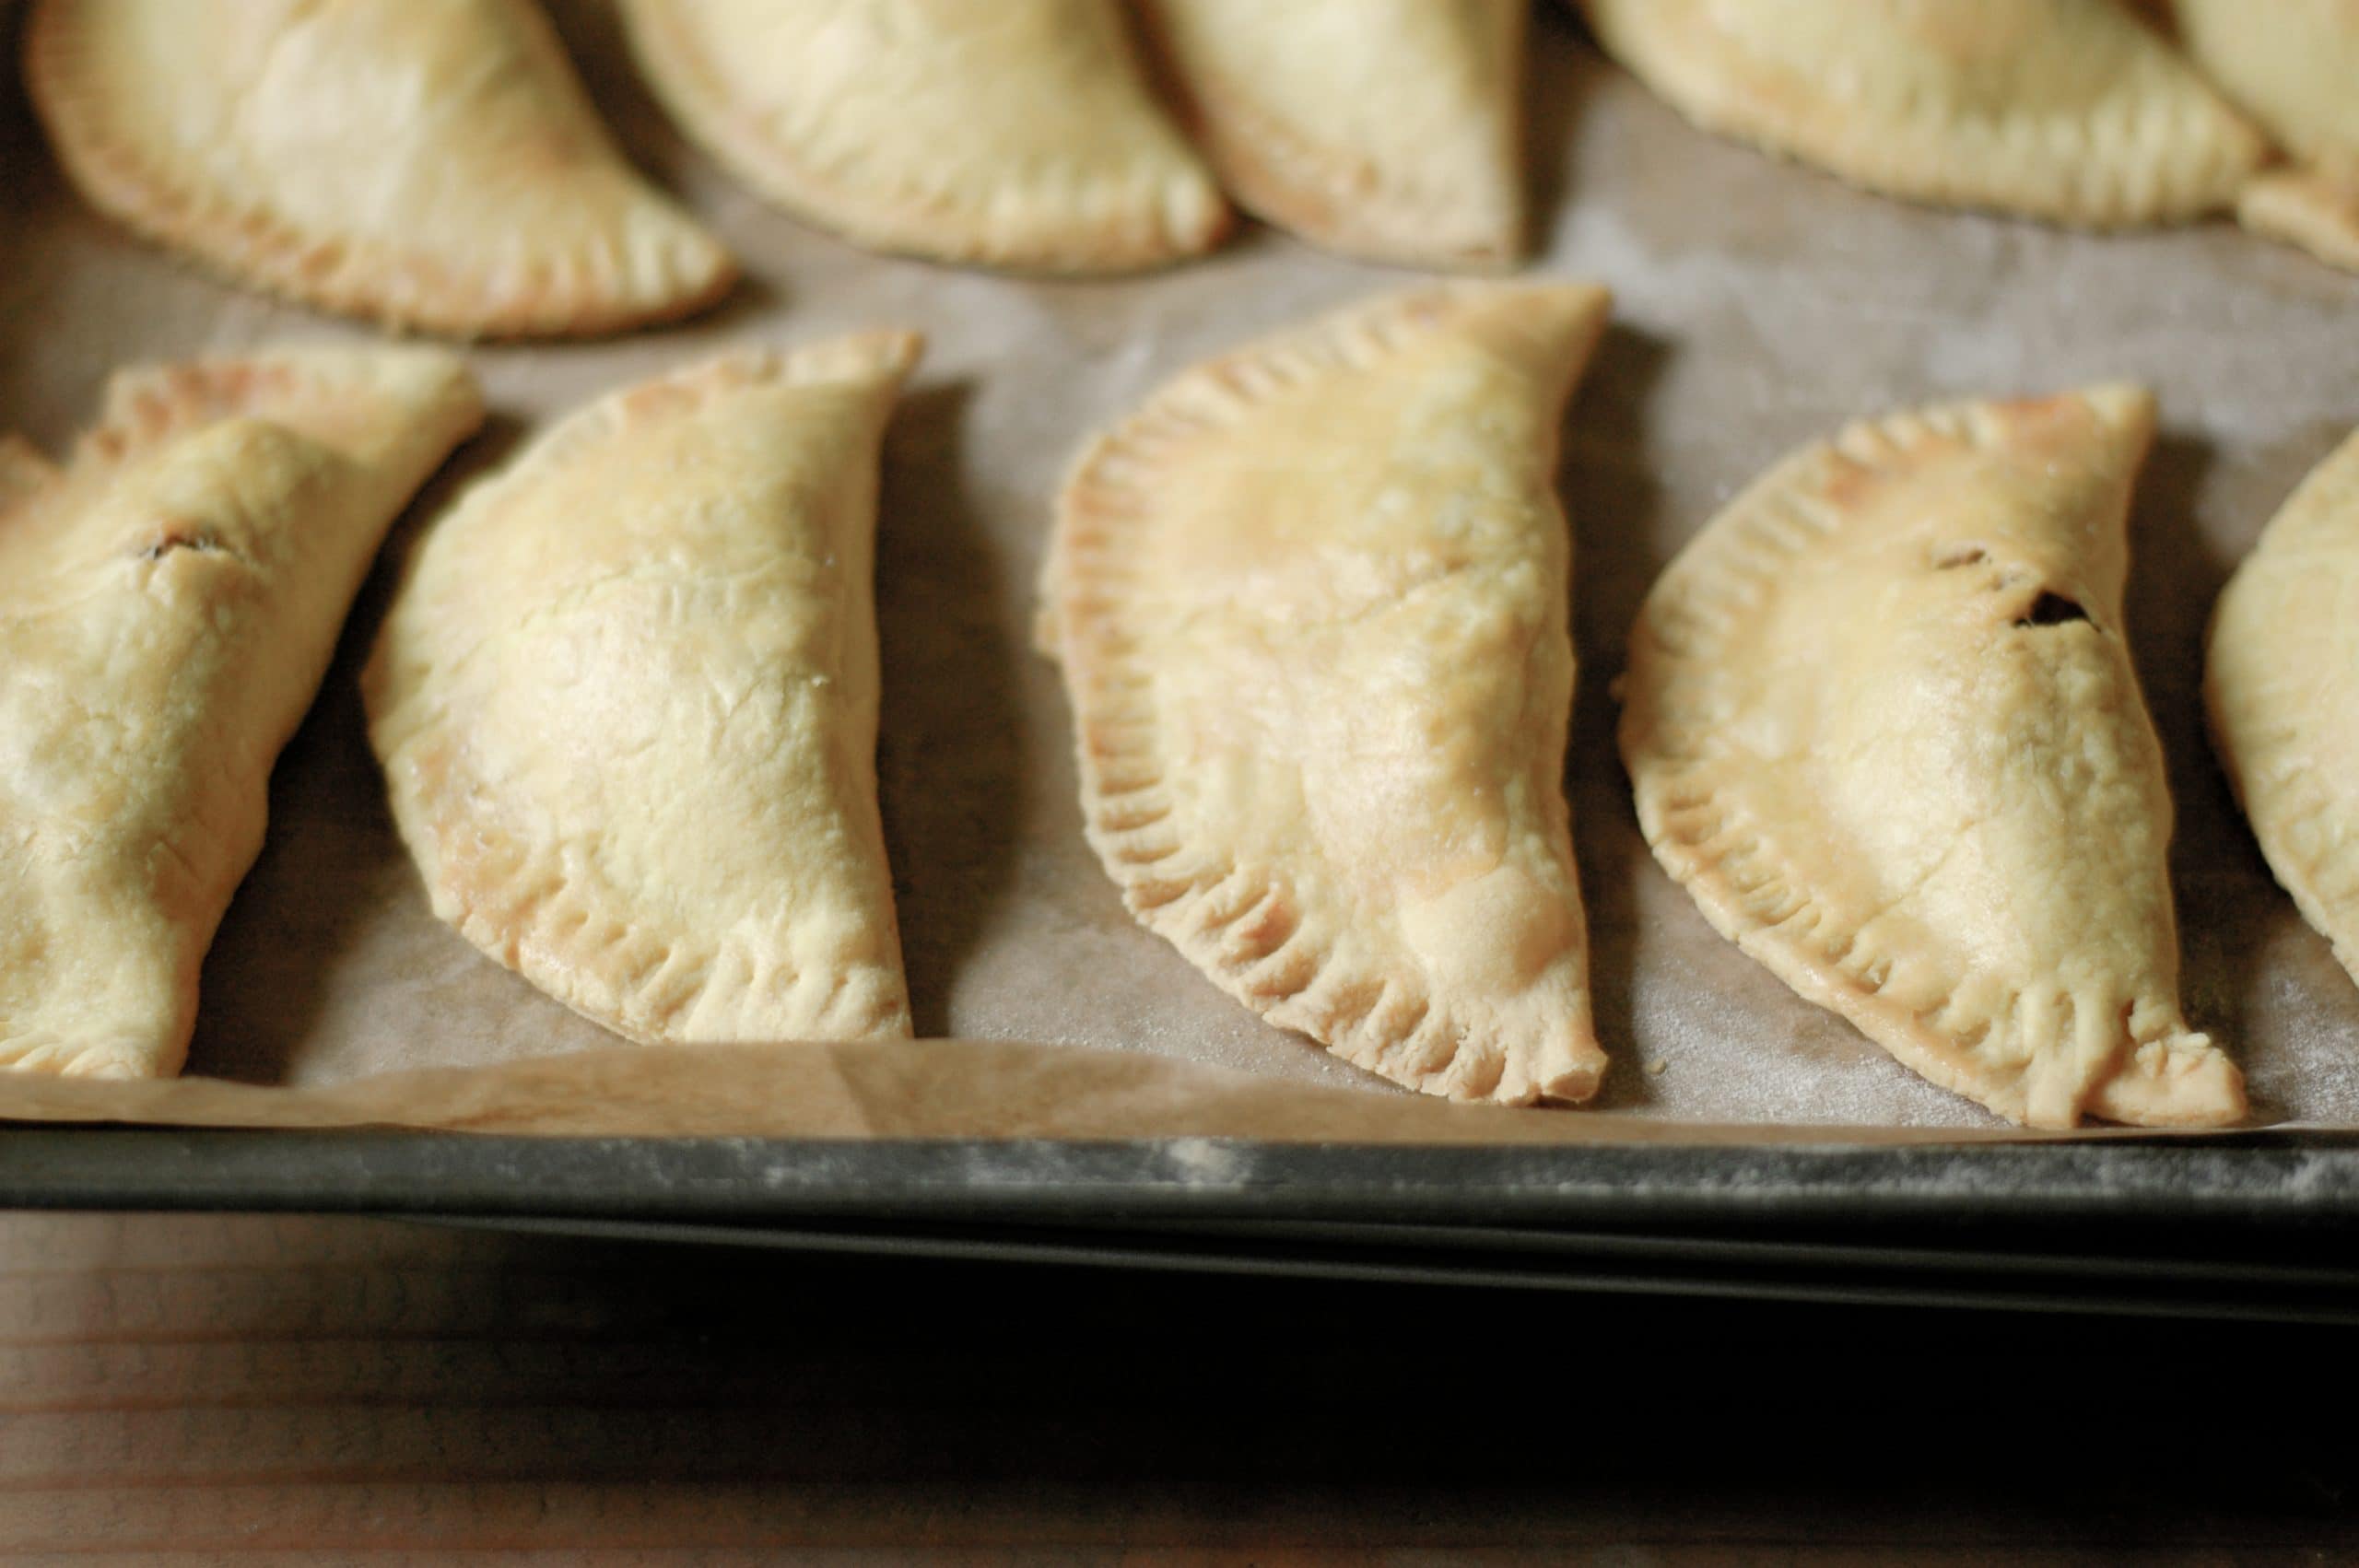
(1883, 727)
(427, 163)
(1015, 133)
(2294, 65)
(626, 700)
(169, 601)
(1382, 128)
(1311, 604)
(2069, 111)
(2282, 687)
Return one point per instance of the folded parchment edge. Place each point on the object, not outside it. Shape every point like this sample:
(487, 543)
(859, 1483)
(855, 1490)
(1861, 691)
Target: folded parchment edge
(917, 1090)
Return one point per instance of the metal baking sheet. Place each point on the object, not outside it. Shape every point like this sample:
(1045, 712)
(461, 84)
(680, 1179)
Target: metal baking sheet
(1758, 306)
(2255, 1230)
(2277, 1179)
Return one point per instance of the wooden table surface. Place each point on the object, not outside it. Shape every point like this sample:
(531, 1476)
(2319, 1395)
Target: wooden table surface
(194, 1388)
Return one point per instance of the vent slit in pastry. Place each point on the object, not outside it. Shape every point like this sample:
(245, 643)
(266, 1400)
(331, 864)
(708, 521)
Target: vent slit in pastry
(2053, 610)
(2282, 687)
(426, 163)
(1311, 605)
(1390, 129)
(626, 702)
(1883, 725)
(1012, 133)
(2069, 110)
(169, 601)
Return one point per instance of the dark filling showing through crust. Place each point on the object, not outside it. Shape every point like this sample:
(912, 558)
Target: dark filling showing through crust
(201, 540)
(2052, 610)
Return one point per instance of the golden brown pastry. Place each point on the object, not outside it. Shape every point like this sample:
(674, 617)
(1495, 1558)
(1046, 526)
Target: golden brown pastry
(2069, 111)
(1009, 133)
(1883, 725)
(1381, 128)
(627, 704)
(168, 601)
(1311, 605)
(2282, 687)
(427, 163)
(2294, 64)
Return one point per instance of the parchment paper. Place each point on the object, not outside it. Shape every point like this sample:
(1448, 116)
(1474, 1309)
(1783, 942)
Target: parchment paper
(1759, 306)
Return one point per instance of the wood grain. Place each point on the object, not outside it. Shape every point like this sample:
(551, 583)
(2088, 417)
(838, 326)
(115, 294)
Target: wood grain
(223, 1389)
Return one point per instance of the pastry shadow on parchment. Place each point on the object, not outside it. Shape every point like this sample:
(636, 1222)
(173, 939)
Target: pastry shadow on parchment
(1606, 476)
(2227, 902)
(595, 38)
(330, 858)
(949, 760)
(753, 302)
(1559, 55)
(46, 231)
(28, 175)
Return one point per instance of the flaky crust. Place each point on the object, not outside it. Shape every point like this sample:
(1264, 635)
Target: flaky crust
(627, 701)
(1016, 134)
(169, 601)
(429, 164)
(2069, 110)
(1390, 129)
(1311, 604)
(1883, 725)
(2283, 688)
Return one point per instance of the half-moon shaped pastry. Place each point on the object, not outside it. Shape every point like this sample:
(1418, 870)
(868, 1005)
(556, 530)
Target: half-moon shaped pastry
(2069, 111)
(427, 163)
(627, 704)
(1883, 727)
(1010, 133)
(1311, 602)
(2294, 65)
(1382, 128)
(2282, 687)
(169, 601)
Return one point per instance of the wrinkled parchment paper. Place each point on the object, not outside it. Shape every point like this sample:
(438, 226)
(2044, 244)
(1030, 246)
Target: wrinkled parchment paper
(1759, 306)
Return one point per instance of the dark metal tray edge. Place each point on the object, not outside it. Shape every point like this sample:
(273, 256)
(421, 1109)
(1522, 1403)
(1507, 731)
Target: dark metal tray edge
(2276, 1178)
